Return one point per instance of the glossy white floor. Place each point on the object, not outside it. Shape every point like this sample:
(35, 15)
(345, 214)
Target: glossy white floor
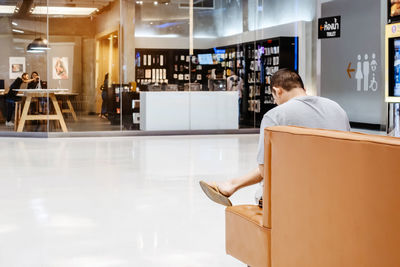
(116, 202)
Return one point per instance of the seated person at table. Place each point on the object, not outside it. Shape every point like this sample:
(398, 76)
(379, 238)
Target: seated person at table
(294, 108)
(11, 96)
(34, 84)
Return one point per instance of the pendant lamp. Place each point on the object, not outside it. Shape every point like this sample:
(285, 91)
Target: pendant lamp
(38, 44)
(30, 50)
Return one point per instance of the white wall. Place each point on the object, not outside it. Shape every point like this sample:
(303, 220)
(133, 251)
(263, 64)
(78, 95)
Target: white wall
(362, 31)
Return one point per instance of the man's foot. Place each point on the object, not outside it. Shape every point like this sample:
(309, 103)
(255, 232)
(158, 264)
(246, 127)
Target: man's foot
(9, 124)
(226, 188)
(214, 194)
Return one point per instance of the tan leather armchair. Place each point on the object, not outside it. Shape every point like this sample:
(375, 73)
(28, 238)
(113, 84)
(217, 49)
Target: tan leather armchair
(331, 199)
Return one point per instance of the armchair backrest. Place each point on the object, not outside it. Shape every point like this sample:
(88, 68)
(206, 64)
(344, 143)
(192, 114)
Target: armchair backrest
(332, 198)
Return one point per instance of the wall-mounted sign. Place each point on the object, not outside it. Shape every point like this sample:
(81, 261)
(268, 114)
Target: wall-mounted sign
(329, 27)
(363, 70)
(219, 51)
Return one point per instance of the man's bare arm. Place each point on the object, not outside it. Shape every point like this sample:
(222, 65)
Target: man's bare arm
(261, 169)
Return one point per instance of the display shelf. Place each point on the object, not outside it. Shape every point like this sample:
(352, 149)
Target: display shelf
(270, 55)
(114, 94)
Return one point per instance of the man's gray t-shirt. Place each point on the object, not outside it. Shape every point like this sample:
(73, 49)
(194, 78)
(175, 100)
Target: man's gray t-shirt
(305, 111)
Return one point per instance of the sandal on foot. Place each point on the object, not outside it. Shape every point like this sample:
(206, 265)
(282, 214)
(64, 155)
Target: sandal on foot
(213, 193)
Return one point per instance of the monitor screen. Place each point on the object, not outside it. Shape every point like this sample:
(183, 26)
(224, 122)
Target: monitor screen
(394, 67)
(43, 84)
(205, 59)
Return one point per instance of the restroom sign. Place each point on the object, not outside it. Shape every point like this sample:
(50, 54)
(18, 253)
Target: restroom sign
(329, 27)
(363, 71)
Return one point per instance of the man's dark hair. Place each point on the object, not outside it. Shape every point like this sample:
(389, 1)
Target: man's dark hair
(25, 73)
(286, 79)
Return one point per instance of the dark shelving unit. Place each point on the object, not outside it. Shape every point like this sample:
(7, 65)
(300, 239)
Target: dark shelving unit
(263, 59)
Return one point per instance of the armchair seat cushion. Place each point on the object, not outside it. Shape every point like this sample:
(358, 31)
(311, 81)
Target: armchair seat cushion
(246, 237)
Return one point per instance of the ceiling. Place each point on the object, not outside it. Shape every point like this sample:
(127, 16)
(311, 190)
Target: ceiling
(71, 3)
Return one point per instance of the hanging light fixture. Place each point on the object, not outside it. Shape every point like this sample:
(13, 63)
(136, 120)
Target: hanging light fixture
(38, 45)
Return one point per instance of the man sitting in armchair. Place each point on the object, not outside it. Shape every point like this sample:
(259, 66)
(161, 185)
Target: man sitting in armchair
(295, 108)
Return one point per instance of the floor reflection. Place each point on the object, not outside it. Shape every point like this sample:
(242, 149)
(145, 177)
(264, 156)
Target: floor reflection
(117, 201)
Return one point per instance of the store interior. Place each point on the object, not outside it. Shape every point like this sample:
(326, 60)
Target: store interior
(148, 46)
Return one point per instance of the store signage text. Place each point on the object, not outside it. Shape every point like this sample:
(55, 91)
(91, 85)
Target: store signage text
(329, 27)
(219, 51)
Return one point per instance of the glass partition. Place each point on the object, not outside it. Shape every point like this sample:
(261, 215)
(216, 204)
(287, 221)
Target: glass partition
(119, 65)
(158, 63)
(86, 38)
(24, 47)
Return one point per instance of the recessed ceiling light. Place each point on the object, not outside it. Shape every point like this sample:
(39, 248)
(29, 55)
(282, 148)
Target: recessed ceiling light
(7, 9)
(155, 3)
(56, 10)
(155, 35)
(17, 31)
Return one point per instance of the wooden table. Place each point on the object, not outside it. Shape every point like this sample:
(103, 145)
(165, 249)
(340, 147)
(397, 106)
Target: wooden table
(51, 94)
(70, 108)
(3, 92)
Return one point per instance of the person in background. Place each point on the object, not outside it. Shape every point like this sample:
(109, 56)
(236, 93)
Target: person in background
(235, 83)
(33, 84)
(210, 85)
(11, 96)
(103, 89)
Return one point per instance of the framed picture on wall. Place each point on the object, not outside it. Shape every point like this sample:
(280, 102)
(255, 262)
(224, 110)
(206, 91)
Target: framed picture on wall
(60, 68)
(17, 67)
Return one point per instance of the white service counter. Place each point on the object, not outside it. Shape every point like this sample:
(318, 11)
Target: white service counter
(199, 110)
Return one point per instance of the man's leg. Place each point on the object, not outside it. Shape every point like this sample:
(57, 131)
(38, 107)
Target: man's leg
(229, 187)
(9, 109)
